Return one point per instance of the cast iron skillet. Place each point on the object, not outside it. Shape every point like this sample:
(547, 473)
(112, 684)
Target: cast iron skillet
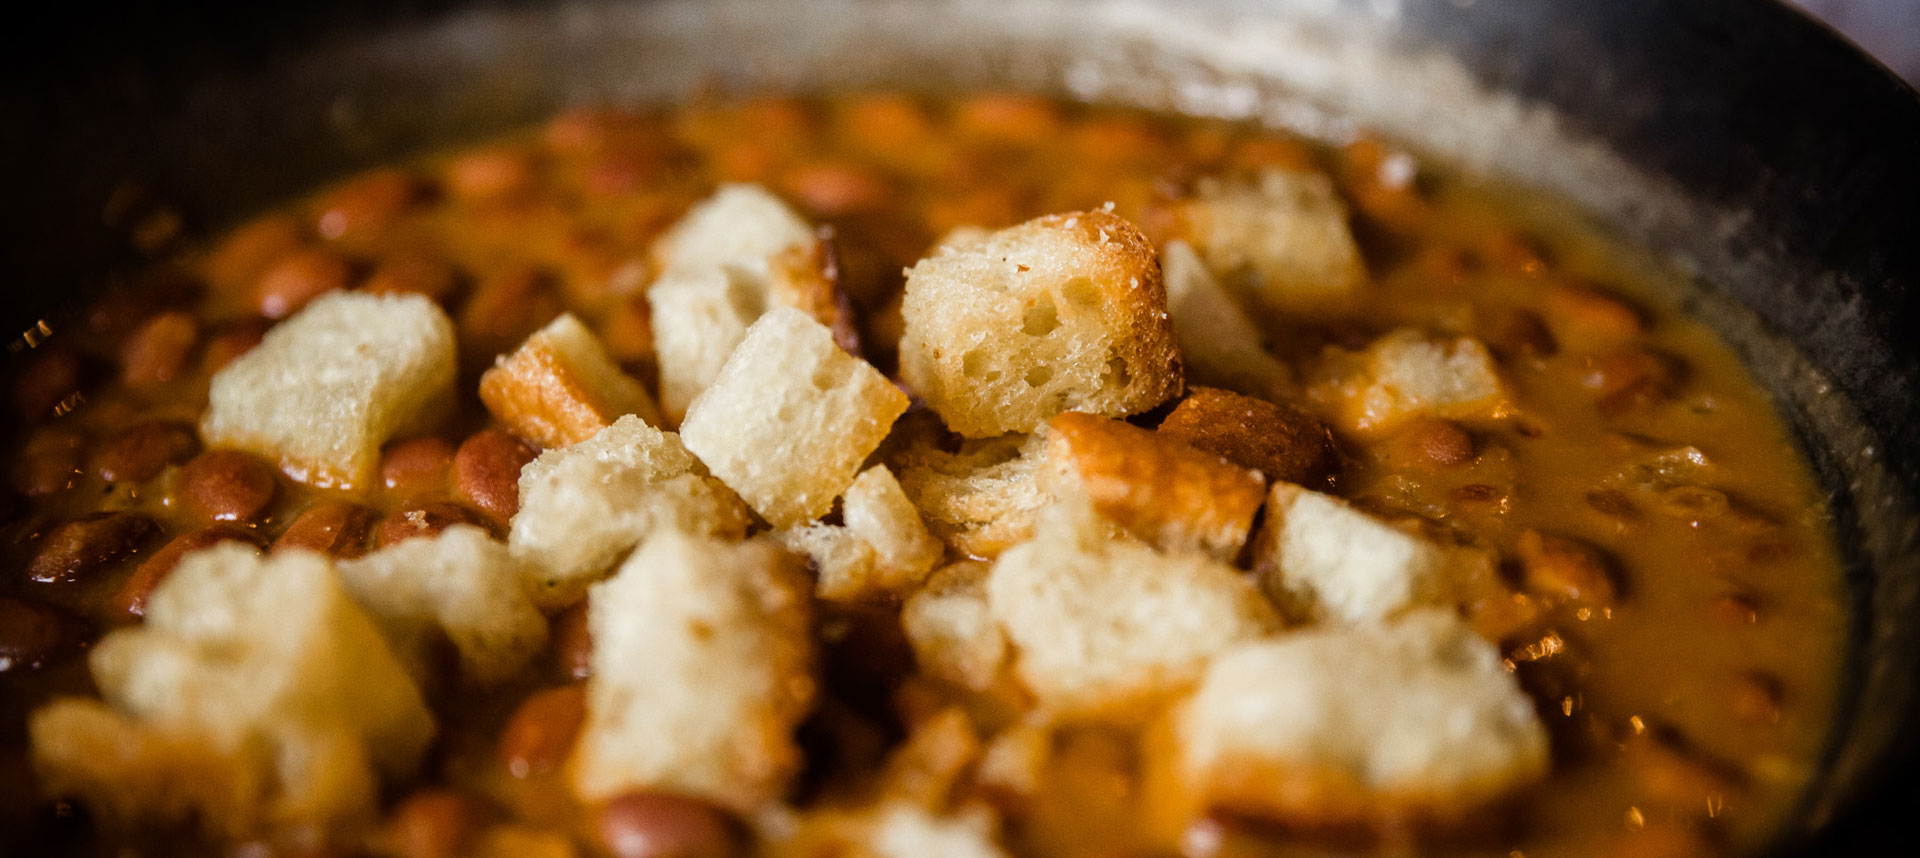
(1757, 149)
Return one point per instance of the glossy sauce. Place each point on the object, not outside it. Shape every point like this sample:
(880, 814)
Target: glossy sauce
(1686, 713)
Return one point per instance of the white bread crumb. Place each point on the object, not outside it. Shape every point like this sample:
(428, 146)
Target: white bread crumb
(702, 668)
(1405, 375)
(1284, 234)
(1220, 345)
(882, 551)
(326, 388)
(952, 630)
(1322, 560)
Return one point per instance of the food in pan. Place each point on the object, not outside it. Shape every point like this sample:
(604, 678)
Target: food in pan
(884, 475)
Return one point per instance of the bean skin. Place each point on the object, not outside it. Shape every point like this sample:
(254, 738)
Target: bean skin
(85, 545)
(434, 823)
(227, 485)
(661, 825)
(33, 633)
(46, 381)
(415, 273)
(573, 642)
(298, 278)
(1437, 442)
(366, 203)
(421, 520)
(486, 471)
(416, 466)
(232, 340)
(131, 599)
(49, 462)
(335, 528)
(540, 735)
(157, 351)
(1565, 568)
(142, 451)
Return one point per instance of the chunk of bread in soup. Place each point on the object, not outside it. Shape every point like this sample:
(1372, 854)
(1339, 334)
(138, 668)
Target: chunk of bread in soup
(790, 418)
(1322, 560)
(1103, 626)
(1407, 375)
(1282, 235)
(902, 829)
(883, 549)
(461, 585)
(1415, 719)
(326, 388)
(952, 629)
(260, 671)
(584, 506)
(740, 224)
(699, 316)
(1062, 313)
(561, 386)
(1219, 344)
(1160, 489)
(702, 668)
(981, 499)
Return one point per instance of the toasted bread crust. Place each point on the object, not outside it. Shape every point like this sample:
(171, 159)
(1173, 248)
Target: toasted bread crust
(1161, 489)
(1283, 443)
(561, 386)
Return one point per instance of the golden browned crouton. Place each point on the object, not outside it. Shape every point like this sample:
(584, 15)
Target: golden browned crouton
(1176, 497)
(560, 387)
(882, 551)
(1065, 312)
(1283, 443)
(1407, 374)
(981, 499)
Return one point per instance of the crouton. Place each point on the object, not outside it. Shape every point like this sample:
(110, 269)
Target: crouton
(905, 830)
(1065, 312)
(739, 224)
(954, 635)
(585, 505)
(882, 551)
(1104, 627)
(459, 583)
(1284, 234)
(325, 389)
(1405, 375)
(1412, 721)
(1322, 560)
(698, 318)
(790, 418)
(702, 668)
(560, 387)
(806, 277)
(982, 499)
(1283, 443)
(257, 673)
(1219, 345)
(1174, 496)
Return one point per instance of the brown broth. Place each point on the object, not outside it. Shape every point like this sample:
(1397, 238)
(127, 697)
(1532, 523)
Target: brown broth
(891, 174)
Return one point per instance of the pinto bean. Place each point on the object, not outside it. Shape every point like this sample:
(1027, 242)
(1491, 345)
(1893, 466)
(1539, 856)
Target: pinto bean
(413, 272)
(1438, 442)
(1756, 697)
(491, 174)
(486, 471)
(1589, 315)
(47, 381)
(1008, 118)
(833, 189)
(421, 520)
(662, 825)
(541, 732)
(33, 633)
(434, 823)
(297, 278)
(142, 451)
(227, 485)
(157, 351)
(416, 466)
(335, 528)
(81, 547)
(131, 599)
(504, 309)
(573, 642)
(368, 203)
(246, 252)
(49, 462)
(1565, 568)
(231, 340)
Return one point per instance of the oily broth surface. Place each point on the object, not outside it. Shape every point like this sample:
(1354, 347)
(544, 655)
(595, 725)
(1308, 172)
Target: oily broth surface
(891, 175)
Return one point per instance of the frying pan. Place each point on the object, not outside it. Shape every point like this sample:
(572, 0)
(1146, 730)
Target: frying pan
(1756, 150)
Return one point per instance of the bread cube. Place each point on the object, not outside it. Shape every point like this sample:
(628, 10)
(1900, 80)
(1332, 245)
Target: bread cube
(806, 277)
(1065, 312)
(952, 629)
(1407, 375)
(460, 584)
(982, 499)
(1174, 496)
(790, 418)
(561, 386)
(902, 829)
(1283, 234)
(740, 224)
(699, 316)
(882, 551)
(326, 388)
(1322, 560)
(1104, 627)
(584, 506)
(1411, 721)
(260, 673)
(1219, 344)
(702, 668)
(1282, 443)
